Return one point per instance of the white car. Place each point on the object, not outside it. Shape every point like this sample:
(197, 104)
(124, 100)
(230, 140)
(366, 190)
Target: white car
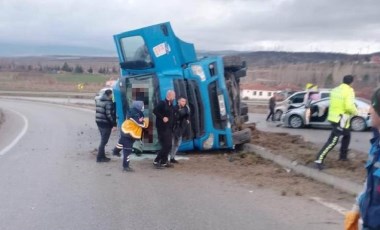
(295, 118)
(296, 100)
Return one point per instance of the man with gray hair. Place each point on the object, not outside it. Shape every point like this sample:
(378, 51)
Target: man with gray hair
(164, 124)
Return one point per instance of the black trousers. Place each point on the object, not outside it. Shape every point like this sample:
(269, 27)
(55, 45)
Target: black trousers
(105, 133)
(336, 132)
(165, 139)
(271, 113)
(127, 142)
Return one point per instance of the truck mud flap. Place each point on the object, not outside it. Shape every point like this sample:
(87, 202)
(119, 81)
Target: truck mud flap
(242, 136)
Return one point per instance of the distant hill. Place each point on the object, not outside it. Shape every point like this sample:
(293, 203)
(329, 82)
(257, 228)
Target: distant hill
(268, 58)
(22, 50)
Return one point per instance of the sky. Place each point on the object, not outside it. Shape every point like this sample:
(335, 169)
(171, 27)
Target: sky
(347, 26)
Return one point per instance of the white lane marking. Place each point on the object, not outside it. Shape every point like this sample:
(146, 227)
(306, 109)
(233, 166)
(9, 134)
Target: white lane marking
(19, 136)
(332, 206)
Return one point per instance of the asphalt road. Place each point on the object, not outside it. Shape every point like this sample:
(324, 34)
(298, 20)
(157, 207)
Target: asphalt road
(49, 180)
(359, 140)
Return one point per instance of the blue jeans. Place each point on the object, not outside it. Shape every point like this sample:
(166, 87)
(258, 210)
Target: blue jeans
(176, 142)
(105, 133)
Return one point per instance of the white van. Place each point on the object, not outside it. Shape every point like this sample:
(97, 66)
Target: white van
(296, 100)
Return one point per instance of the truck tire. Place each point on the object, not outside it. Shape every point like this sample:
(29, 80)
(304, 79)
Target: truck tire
(242, 136)
(235, 65)
(243, 108)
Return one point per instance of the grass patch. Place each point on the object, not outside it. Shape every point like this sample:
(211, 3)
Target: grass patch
(81, 78)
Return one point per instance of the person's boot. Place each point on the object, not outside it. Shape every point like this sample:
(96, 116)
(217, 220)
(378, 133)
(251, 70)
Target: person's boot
(318, 165)
(343, 156)
(116, 152)
(172, 160)
(128, 169)
(102, 159)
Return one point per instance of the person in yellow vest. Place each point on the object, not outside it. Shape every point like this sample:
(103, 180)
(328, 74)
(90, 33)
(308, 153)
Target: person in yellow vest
(131, 130)
(342, 108)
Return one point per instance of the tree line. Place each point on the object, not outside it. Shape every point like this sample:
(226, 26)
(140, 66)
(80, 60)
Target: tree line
(77, 69)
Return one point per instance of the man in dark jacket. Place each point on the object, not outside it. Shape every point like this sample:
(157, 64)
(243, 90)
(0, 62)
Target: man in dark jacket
(164, 124)
(106, 120)
(181, 121)
(272, 105)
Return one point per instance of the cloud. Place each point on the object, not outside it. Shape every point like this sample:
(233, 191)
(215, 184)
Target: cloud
(294, 25)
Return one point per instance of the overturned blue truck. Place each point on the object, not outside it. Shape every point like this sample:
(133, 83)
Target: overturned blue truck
(153, 60)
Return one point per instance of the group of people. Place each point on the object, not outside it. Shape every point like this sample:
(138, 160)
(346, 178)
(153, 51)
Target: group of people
(171, 123)
(341, 109)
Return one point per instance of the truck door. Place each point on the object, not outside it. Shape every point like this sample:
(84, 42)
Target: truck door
(144, 88)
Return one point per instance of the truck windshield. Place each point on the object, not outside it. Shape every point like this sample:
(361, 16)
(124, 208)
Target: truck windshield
(135, 53)
(144, 88)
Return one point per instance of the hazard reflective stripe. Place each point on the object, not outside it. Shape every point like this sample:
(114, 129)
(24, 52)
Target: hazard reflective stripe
(328, 148)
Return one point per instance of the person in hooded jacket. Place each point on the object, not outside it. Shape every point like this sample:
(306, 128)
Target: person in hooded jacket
(131, 130)
(105, 120)
(181, 121)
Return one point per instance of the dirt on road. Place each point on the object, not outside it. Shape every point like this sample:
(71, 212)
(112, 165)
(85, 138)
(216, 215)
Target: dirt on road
(295, 148)
(249, 169)
(252, 172)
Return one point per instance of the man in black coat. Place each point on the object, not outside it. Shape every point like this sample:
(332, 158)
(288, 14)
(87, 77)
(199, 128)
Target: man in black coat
(106, 120)
(272, 105)
(164, 124)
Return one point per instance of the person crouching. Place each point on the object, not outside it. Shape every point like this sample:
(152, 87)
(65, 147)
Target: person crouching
(131, 130)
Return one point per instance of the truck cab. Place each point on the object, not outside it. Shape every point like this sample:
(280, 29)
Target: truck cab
(153, 60)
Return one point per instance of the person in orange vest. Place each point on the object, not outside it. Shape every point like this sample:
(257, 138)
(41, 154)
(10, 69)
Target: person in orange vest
(131, 130)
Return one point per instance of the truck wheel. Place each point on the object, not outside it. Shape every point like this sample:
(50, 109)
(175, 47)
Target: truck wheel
(232, 62)
(243, 108)
(242, 136)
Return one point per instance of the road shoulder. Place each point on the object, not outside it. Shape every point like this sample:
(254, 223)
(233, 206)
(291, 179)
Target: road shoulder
(11, 129)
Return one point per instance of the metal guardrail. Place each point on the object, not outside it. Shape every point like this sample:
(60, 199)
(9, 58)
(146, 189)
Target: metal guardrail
(81, 95)
(48, 94)
(255, 102)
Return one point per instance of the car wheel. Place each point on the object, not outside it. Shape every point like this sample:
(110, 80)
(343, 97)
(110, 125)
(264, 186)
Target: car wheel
(295, 121)
(277, 115)
(358, 124)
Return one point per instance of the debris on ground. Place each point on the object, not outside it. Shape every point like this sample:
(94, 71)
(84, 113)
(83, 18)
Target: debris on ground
(296, 149)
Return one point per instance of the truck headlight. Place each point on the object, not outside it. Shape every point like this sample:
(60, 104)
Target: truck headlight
(222, 105)
(198, 71)
(208, 143)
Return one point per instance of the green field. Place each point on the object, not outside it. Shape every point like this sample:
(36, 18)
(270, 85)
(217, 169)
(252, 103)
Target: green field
(50, 82)
(81, 78)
